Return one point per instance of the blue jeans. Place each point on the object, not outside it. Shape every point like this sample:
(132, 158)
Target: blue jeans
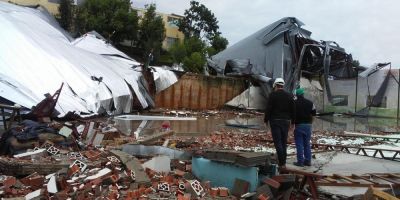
(302, 137)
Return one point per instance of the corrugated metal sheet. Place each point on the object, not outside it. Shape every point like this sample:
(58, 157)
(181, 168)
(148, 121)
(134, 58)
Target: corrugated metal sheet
(194, 91)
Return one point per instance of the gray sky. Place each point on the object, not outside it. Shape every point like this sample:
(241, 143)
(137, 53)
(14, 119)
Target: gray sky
(368, 29)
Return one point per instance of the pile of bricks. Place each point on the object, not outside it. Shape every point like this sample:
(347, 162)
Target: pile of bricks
(95, 173)
(276, 187)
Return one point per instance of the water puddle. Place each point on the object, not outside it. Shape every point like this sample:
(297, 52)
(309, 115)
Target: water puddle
(206, 125)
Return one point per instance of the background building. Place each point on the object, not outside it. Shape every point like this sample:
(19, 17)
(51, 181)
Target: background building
(50, 5)
(350, 95)
(172, 33)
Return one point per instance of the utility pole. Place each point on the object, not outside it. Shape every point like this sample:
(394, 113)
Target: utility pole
(398, 96)
(356, 99)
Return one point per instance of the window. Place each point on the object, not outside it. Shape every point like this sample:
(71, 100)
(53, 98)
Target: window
(381, 105)
(340, 100)
(172, 21)
(171, 41)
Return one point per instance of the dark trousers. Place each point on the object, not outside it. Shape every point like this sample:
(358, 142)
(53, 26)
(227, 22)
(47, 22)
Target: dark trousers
(302, 136)
(279, 130)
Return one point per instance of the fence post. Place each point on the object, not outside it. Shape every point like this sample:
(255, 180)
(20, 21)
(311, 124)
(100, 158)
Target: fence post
(398, 96)
(355, 103)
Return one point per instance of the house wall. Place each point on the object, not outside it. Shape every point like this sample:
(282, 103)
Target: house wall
(171, 30)
(348, 88)
(50, 5)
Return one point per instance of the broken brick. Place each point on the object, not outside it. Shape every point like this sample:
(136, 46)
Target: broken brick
(263, 197)
(286, 181)
(73, 170)
(9, 181)
(92, 155)
(188, 168)
(214, 192)
(34, 180)
(271, 182)
(223, 191)
(240, 187)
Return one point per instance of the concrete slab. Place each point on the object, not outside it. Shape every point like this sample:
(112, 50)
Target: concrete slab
(159, 164)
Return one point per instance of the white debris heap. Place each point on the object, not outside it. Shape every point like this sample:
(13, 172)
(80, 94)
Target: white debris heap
(37, 56)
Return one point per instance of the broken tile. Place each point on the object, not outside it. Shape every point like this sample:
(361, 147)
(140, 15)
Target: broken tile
(65, 131)
(101, 173)
(52, 185)
(33, 194)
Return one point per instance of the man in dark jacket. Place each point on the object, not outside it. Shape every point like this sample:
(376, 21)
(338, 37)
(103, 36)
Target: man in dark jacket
(280, 114)
(305, 110)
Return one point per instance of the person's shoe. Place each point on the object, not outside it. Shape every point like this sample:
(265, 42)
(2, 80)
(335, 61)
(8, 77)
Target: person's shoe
(307, 163)
(298, 164)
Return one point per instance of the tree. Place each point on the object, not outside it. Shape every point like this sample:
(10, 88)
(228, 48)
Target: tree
(199, 22)
(113, 19)
(202, 38)
(66, 14)
(152, 32)
(194, 63)
(219, 43)
(178, 52)
(194, 44)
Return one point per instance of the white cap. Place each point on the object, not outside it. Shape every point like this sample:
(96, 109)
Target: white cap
(279, 81)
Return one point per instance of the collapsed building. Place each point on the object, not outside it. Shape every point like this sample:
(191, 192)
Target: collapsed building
(38, 56)
(284, 49)
(374, 92)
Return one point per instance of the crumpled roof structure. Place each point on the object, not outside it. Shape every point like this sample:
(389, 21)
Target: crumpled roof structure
(37, 56)
(283, 49)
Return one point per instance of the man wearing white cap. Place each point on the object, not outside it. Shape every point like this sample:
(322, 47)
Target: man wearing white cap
(280, 114)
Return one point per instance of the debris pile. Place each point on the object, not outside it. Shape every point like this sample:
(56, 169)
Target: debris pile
(88, 159)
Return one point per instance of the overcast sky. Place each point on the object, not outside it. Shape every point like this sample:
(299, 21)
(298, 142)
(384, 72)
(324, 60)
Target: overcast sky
(368, 29)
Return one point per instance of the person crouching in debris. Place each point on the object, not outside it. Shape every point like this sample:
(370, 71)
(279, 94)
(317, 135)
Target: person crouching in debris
(280, 114)
(305, 110)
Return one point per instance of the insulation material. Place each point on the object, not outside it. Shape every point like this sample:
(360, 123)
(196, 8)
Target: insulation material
(163, 78)
(36, 57)
(251, 98)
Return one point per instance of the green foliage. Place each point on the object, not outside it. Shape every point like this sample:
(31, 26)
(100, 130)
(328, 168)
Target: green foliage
(113, 19)
(178, 52)
(199, 22)
(191, 53)
(165, 59)
(194, 63)
(200, 28)
(211, 51)
(151, 31)
(66, 14)
(219, 43)
(194, 44)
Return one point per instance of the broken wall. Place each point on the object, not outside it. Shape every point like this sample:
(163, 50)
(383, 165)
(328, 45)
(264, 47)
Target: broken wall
(197, 92)
(314, 92)
(347, 88)
(36, 57)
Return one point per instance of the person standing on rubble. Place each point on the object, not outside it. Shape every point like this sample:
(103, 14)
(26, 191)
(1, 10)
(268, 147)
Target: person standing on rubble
(280, 115)
(305, 110)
